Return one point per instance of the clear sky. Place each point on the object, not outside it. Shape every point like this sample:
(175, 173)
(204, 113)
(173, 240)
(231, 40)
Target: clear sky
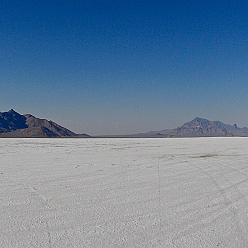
(107, 67)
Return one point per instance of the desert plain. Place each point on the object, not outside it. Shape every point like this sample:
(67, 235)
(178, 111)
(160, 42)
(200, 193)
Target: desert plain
(119, 193)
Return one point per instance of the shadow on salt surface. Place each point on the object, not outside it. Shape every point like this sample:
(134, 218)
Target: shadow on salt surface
(209, 155)
(213, 155)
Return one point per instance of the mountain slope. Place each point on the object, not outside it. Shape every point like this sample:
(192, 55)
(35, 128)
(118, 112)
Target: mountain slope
(13, 124)
(49, 127)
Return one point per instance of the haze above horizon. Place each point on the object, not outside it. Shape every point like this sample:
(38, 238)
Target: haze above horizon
(107, 67)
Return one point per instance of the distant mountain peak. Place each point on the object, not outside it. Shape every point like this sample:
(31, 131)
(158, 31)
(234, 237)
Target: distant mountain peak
(200, 119)
(12, 111)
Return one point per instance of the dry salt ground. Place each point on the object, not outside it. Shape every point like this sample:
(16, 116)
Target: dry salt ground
(93, 193)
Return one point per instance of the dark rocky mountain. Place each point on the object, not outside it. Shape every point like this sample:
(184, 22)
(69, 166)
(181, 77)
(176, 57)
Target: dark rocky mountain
(15, 125)
(11, 120)
(199, 127)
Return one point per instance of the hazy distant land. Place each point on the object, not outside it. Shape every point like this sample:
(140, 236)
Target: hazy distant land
(15, 125)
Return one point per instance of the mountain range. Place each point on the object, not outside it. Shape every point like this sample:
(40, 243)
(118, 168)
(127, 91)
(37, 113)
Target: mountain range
(199, 127)
(15, 125)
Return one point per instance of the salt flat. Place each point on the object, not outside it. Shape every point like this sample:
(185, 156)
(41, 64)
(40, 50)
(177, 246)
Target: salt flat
(62, 193)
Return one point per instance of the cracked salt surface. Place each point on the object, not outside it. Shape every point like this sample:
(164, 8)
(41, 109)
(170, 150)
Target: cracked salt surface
(63, 193)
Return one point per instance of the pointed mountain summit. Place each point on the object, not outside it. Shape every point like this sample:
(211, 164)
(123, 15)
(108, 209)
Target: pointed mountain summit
(13, 124)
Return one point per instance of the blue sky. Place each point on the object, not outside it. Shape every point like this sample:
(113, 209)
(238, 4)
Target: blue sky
(107, 67)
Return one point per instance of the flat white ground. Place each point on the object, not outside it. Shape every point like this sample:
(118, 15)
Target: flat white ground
(62, 193)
